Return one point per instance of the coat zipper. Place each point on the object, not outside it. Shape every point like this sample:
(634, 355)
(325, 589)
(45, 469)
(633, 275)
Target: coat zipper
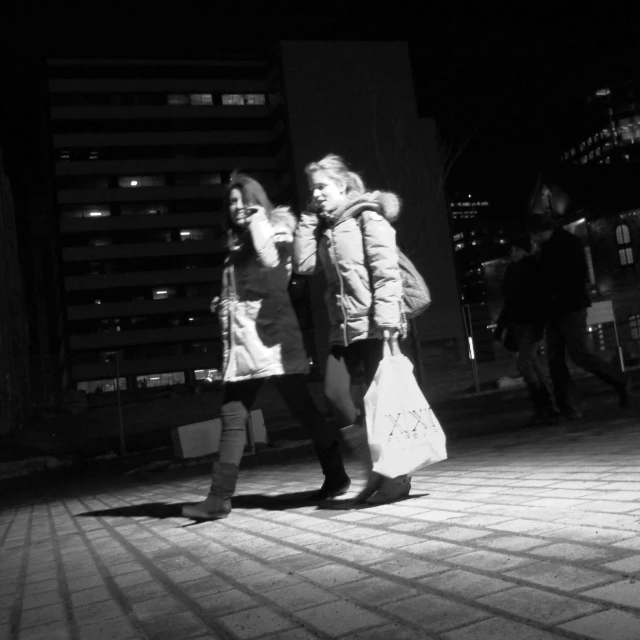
(232, 305)
(344, 311)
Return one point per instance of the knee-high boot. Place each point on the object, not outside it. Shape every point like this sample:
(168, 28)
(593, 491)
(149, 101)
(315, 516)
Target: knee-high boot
(217, 504)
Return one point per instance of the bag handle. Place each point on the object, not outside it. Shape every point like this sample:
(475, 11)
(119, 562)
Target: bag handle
(390, 347)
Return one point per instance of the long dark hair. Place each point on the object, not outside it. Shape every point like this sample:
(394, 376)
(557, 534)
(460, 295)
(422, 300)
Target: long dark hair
(252, 193)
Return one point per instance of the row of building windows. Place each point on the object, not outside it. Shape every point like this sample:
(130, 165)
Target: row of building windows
(130, 266)
(142, 208)
(230, 151)
(150, 380)
(147, 351)
(226, 124)
(627, 132)
(139, 181)
(226, 99)
(138, 323)
(132, 99)
(152, 236)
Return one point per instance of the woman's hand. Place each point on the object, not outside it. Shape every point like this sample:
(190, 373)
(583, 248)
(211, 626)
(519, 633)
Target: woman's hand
(391, 336)
(215, 303)
(253, 210)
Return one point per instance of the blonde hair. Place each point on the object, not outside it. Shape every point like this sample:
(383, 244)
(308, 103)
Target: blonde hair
(336, 168)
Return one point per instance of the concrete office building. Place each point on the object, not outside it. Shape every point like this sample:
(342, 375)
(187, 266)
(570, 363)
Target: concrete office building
(143, 150)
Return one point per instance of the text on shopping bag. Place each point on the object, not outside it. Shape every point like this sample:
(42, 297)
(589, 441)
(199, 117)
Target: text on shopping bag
(410, 424)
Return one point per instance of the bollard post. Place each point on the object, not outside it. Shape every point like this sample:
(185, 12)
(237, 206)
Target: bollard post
(123, 448)
(466, 314)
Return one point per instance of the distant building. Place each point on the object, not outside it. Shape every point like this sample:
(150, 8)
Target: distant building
(608, 129)
(15, 366)
(479, 237)
(138, 153)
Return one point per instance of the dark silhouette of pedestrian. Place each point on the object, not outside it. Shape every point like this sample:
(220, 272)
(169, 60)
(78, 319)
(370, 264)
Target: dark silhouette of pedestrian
(564, 274)
(522, 321)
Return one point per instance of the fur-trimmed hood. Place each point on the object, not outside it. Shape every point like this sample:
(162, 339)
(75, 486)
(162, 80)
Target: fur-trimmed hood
(384, 203)
(283, 217)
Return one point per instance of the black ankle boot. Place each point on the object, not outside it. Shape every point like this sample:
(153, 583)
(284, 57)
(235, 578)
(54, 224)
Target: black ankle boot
(336, 481)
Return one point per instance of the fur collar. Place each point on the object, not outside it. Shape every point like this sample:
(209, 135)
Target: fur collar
(385, 203)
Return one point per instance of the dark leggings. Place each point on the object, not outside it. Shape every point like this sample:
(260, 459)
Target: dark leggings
(240, 397)
(347, 367)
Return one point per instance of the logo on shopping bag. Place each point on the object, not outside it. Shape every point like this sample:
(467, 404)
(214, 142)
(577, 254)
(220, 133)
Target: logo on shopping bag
(409, 425)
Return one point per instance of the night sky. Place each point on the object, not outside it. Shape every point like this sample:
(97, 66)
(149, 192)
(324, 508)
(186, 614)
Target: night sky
(503, 78)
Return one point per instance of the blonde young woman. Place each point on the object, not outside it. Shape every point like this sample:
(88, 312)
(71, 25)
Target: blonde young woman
(347, 233)
(262, 340)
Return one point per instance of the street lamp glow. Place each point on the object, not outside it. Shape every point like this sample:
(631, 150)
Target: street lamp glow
(95, 214)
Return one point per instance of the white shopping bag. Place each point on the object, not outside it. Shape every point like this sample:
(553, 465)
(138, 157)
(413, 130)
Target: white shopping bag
(404, 433)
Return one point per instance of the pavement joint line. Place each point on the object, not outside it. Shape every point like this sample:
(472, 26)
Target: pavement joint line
(209, 619)
(63, 587)
(409, 582)
(159, 576)
(16, 611)
(271, 604)
(28, 530)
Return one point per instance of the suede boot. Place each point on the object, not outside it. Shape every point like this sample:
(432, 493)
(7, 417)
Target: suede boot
(391, 490)
(217, 505)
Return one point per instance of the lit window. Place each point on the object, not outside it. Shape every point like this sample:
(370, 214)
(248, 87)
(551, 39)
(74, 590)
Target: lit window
(163, 293)
(191, 234)
(257, 99)
(207, 375)
(201, 99)
(160, 379)
(237, 99)
(178, 100)
(625, 248)
(634, 327)
(626, 256)
(231, 99)
(623, 235)
(141, 181)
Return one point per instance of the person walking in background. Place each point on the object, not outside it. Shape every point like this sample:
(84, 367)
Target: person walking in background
(261, 340)
(347, 233)
(524, 314)
(564, 275)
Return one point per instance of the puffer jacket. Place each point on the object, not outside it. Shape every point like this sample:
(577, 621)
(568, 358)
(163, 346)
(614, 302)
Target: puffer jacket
(260, 331)
(356, 249)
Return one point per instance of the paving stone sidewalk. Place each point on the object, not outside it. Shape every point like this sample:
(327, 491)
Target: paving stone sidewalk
(529, 535)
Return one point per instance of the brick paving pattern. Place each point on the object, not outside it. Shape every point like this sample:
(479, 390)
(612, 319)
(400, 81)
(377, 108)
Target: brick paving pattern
(530, 535)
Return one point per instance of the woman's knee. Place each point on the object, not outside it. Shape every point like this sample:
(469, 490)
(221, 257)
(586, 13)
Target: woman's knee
(234, 415)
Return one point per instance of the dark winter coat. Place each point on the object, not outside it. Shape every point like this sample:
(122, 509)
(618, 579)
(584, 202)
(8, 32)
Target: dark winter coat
(525, 298)
(564, 273)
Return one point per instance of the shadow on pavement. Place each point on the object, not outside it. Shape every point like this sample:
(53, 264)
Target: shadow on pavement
(162, 510)
(159, 510)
